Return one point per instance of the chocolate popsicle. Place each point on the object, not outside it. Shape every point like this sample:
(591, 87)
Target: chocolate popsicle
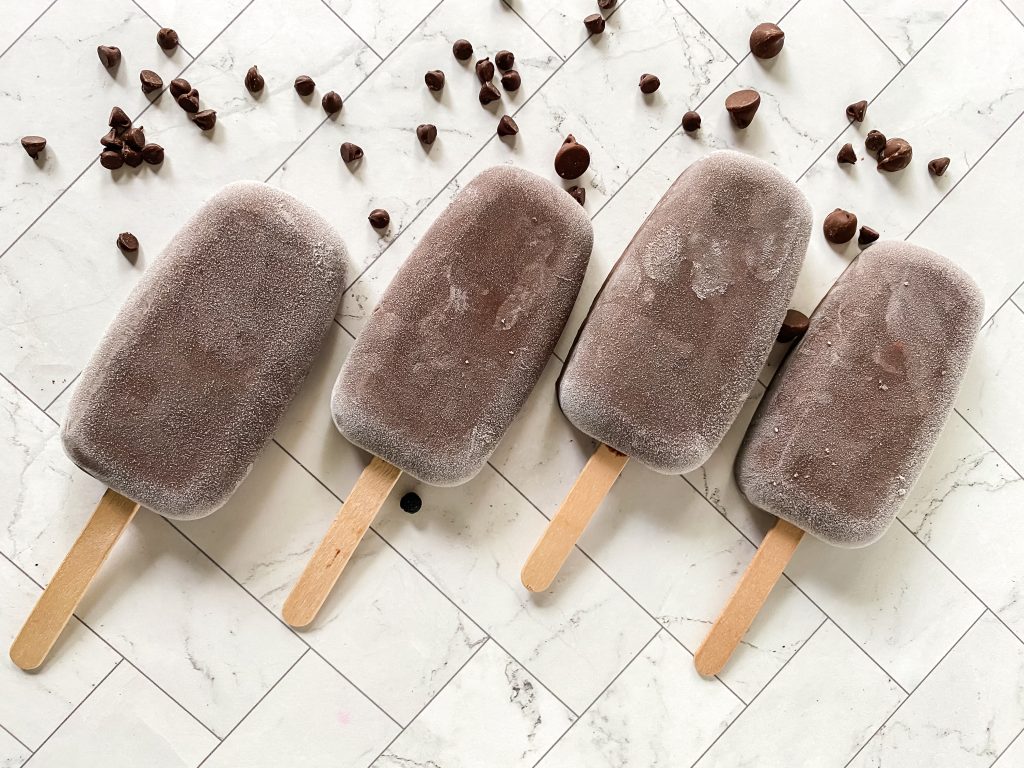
(678, 333)
(193, 374)
(849, 421)
(452, 350)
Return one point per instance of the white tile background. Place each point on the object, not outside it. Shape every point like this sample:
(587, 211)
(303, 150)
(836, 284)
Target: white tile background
(908, 653)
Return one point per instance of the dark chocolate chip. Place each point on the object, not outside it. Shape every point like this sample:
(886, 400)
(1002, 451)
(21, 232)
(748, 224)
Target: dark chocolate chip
(856, 111)
(485, 70)
(840, 226)
(649, 83)
(331, 102)
(766, 41)
(167, 39)
(135, 138)
(507, 126)
(379, 218)
(132, 157)
(938, 166)
(847, 155)
(205, 119)
(410, 503)
(153, 154)
(489, 93)
(742, 106)
(118, 119)
(150, 80)
(874, 142)
(462, 49)
(111, 160)
(110, 55)
(579, 194)
(33, 145)
(504, 60)
(895, 155)
(426, 133)
(112, 141)
(794, 325)
(304, 85)
(434, 79)
(867, 236)
(606, 5)
(180, 86)
(572, 159)
(128, 242)
(189, 101)
(254, 81)
(511, 80)
(691, 122)
(350, 152)
(594, 23)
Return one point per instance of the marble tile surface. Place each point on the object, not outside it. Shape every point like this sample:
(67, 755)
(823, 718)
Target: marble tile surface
(197, 30)
(18, 17)
(905, 25)
(382, 31)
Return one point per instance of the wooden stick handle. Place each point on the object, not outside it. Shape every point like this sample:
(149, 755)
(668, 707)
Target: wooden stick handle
(346, 531)
(566, 527)
(739, 613)
(62, 595)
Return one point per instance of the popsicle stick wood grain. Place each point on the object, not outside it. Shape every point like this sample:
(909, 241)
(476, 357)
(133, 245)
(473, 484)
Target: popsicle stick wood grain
(65, 590)
(565, 528)
(739, 613)
(347, 530)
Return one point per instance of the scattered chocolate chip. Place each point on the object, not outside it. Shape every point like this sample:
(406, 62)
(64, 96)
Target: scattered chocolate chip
(594, 23)
(649, 83)
(111, 160)
(110, 55)
(379, 218)
(742, 106)
(205, 119)
(511, 80)
(895, 155)
(507, 126)
(867, 236)
(840, 226)
(410, 503)
(180, 86)
(505, 60)
(153, 154)
(118, 119)
(691, 122)
(426, 133)
(485, 70)
(606, 5)
(572, 159)
(167, 39)
(874, 141)
(304, 85)
(132, 157)
(938, 166)
(462, 49)
(33, 145)
(847, 155)
(766, 41)
(489, 93)
(254, 81)
(331, 102)
(112, 141)
(128, 242)
(189, 101)
(434, 79)
(350, 152)
(794, 325)
(135, 138)
(856, 111)
(579, 194)
(150, 80)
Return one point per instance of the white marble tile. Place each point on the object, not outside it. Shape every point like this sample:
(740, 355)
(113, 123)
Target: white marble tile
(818, 711)
(127, 722)
(659, 712)
(967, 711)
(383, 29)
(18, 16)
(12, 753)
(560, 22)
(313, 717)
(493, 713)
(33, 705)
(1017, 8)
(731, 21)
(1013, 756)
(264, 536)
(197, 29)
(68, 99)
(905, 25)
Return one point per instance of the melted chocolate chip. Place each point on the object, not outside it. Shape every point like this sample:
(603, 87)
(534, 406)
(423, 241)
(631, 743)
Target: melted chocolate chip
(840, 226)
(572, 159)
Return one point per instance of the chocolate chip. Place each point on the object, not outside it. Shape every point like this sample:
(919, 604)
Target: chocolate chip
(649, 83)
(793, 327)
(867, 236)
(511, 80)
(485, 70)
(180, 86)
(606, 5)
(572, 159)
(110, 55)
(579, 194)
(112, 141)
(128, 242)
(118, 119)
(167, 39)
(205, 119)
(856, 111)
(153, 154)
(33, 145)
(874, 141)
(895, 155)
(410, 503)
(426, 133)
(691, 122)
(132, 157)
(489, 93)
(847, 155)
(189, 101)
(840, 226)
(938, 166)
(766, 41)
(350, 152)
(135, 138)
(742, 106)
(505, 60)
(331, 102)
(379, 218)
(111, 160)
(434, 79)
(150, 80)
(304, 85)
(462, 49)
(254, 81)
(594, 23)
(507, 126)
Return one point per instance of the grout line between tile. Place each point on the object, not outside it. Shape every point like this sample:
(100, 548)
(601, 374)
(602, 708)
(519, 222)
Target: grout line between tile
(373, 50)
(1007, 748)
(873, 32)
(26, 29)
(529, 26)
(707, 31)
(60, 394)
(22, 743)
(1018, 18)
(150, 16)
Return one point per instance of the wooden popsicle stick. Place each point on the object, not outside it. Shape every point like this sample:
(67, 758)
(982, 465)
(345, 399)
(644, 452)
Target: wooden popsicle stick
(739, 613)
(62, 595)
(346, 531)
(565, 528)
